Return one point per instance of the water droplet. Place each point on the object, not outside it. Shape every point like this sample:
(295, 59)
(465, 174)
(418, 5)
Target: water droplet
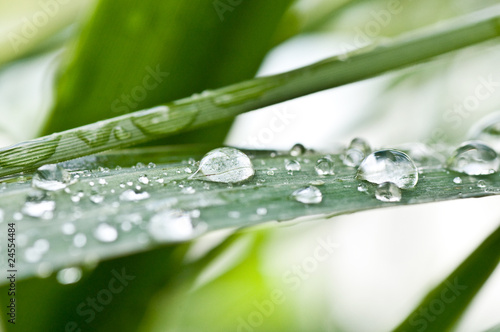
(297, 150)
(234, 214)
(389, 166)
(188, 191)
(362, 187)
(388, 192)
(270, 172)
(308, 195)
(134, 195)
(120, 133)
(316, 182)
(324, 166)
(481, 184)
(68, 228)
(96, 198)
(79, 240)
(103, 182)
(261, 211)
(292, 166)
(51, 177)
(457, 180)
(357, 151)
(143, 179)
(225, 165)
(172, 225)
(68, 276)
(474, 158)
(38, 205)
(105, 233)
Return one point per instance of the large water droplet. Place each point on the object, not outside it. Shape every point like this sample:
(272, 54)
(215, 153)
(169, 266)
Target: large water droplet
(105, 233)
(388, 192)
(134, 195)
(225, 165)
(51, 177)
(324, 166)
(389, 166)
(68, 276)
(308, 195)
(173, 225)
(474, 158)
(357, 151)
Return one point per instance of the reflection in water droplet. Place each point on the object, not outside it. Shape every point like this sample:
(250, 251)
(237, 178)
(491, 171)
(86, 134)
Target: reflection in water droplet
(105, 233)
(297, 150)
(388, 192)
(389, 166)
(308, 195)
(173, 225)
(134, 195)
(324, 166)
(225, 165)
(474, 158)
(51, 177)
(68, 276)
(357, 151)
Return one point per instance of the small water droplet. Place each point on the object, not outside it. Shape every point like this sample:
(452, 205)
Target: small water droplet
(389, 166)
(270, 172)
(297, 150)
(317, 183)
(79, 240)
(225, 165)
(134, 195)
(292, 166)
(188, 190)
(120, 133)
(105, 233)
(308, 195)
(261, 211)
(481, 184)
(96, 198)
(68, 228)
(324, 166)
(234, 214)
(457, 180)
(51, 177)
(103, 182)
(388, 192)
(143, 179)
(357, 150)
(474, 158)
(362, 187)
(172, 225)
(69, 275)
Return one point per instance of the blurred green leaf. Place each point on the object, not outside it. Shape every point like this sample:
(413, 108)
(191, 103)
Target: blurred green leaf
(138, 54)
(441, 309)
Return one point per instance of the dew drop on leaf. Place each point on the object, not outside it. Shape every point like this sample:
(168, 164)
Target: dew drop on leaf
(308, 195)
(292, 166)
(389, 166)
(69, 275)
(105, 233)
(225, 165)
(172, 225)
(51, 177)
(324, 166)
(474, 158)
(134, 195)
(388, 192)
(297, 150)
(357, 150)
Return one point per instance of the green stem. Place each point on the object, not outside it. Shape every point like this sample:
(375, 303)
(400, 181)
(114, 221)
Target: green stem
(225, 103)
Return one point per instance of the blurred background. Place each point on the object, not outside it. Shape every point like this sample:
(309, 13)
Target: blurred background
(382, 262)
